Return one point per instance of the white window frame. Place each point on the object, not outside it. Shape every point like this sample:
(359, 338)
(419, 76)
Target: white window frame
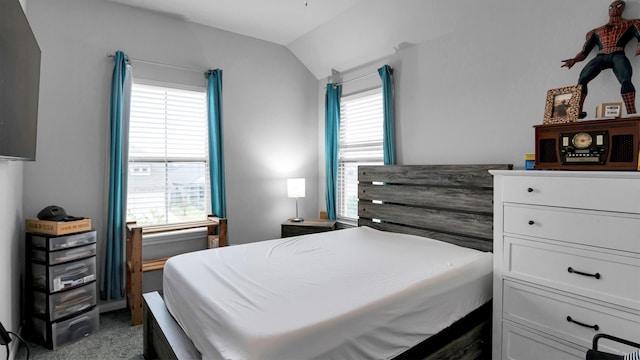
(141, 166)
(367, 150)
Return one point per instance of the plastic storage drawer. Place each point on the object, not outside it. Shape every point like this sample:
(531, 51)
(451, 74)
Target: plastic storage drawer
(61, 242)
(63, 276)
(65, 303)
(55, 334)
(61, 256)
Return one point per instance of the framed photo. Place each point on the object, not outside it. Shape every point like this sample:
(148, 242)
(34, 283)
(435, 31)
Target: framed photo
(562, 105)
(609, 110)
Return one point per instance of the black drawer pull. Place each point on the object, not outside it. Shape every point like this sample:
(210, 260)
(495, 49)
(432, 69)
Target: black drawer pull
(531, 222)
(594, 327)
(529, 190)
(571, 270)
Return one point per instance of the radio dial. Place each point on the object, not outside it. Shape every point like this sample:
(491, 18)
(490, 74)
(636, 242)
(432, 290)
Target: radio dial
(582, 140)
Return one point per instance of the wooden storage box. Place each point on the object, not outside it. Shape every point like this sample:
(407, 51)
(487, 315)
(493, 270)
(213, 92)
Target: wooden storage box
(57, 227)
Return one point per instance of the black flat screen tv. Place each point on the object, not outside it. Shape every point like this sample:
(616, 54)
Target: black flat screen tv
(19, 83)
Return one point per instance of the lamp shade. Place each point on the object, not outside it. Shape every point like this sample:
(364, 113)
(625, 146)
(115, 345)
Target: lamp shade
(295, 188)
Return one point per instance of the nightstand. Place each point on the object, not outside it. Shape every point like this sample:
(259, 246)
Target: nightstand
(308, 226)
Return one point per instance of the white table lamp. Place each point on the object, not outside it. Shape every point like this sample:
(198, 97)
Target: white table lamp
(295, 189)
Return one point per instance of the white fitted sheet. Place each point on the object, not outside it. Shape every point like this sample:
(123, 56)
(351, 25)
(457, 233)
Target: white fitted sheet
(350, 294)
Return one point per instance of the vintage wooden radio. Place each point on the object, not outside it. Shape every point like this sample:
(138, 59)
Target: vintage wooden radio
(589, 145)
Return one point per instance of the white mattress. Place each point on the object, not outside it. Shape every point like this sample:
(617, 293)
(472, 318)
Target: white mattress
(357, 293)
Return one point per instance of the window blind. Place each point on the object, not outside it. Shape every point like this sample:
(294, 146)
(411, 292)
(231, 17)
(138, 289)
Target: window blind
(168, 179)
(360, 143)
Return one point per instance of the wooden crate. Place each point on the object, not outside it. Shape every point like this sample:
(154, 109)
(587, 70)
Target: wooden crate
(57, 227)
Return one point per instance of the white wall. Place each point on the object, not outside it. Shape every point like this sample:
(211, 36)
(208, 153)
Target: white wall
(473, 93)
(11, 243)
(269, 109)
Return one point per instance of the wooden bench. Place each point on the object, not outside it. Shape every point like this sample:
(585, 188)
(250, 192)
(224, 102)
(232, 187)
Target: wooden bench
(216, 233)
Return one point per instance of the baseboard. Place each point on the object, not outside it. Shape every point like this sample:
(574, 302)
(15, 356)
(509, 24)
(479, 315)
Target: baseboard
(106, 306)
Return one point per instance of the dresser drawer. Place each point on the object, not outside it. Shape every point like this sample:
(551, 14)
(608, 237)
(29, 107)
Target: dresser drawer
(62, 304)
(52, 242)
(596, 228)
(615, 277)
(521, 344)
(64, 276)
(60, 256)
(55, 334)
(598, 193)
(566, 317)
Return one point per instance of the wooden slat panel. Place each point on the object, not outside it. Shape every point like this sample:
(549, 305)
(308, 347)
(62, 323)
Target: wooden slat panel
(465, 241)
(442, 175)
(452, 203)
(462, 199)
(470, 346)
(476, 225)
(155, 264)
(153, 229)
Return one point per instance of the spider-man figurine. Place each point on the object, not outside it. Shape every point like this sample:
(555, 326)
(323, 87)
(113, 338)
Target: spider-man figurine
(611, 39)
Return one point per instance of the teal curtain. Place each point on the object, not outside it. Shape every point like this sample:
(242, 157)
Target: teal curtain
(332, 135)
(113, 278)
(216, 153)
(388, 136)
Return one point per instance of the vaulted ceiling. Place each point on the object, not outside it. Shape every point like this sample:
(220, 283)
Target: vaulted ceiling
(323, 34)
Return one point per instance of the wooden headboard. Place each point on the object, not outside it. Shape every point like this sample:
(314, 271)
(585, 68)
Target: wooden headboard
(452, 203)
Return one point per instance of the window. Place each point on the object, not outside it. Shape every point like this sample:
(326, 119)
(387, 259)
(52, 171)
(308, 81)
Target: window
(168, 179)
(361, 122)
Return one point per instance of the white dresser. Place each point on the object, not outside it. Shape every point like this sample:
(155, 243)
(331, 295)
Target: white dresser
(566, 262)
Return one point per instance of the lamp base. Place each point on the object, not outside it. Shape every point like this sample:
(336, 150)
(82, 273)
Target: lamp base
(297, 220)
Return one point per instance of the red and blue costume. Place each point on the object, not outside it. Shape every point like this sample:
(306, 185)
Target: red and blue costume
(611, 40)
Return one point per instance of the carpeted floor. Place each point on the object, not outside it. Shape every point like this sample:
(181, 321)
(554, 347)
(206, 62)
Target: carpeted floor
(115, 339)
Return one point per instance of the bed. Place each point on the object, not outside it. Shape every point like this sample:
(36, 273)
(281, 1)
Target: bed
(413, 280)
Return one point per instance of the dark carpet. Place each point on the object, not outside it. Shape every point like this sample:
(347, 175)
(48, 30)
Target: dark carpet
(115, 339)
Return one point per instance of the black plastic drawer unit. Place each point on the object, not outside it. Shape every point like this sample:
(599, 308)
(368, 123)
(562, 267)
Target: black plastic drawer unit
(61, 289)
(56, 334)
(53, 242)
(64, 276)
(64, 303)
(62, 256)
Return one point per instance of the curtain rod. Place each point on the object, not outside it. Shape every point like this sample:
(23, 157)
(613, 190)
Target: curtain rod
(158, 63)
(355, 78)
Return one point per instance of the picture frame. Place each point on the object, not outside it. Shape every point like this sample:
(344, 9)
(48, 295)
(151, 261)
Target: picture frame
(562, 105)
(609, 110)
